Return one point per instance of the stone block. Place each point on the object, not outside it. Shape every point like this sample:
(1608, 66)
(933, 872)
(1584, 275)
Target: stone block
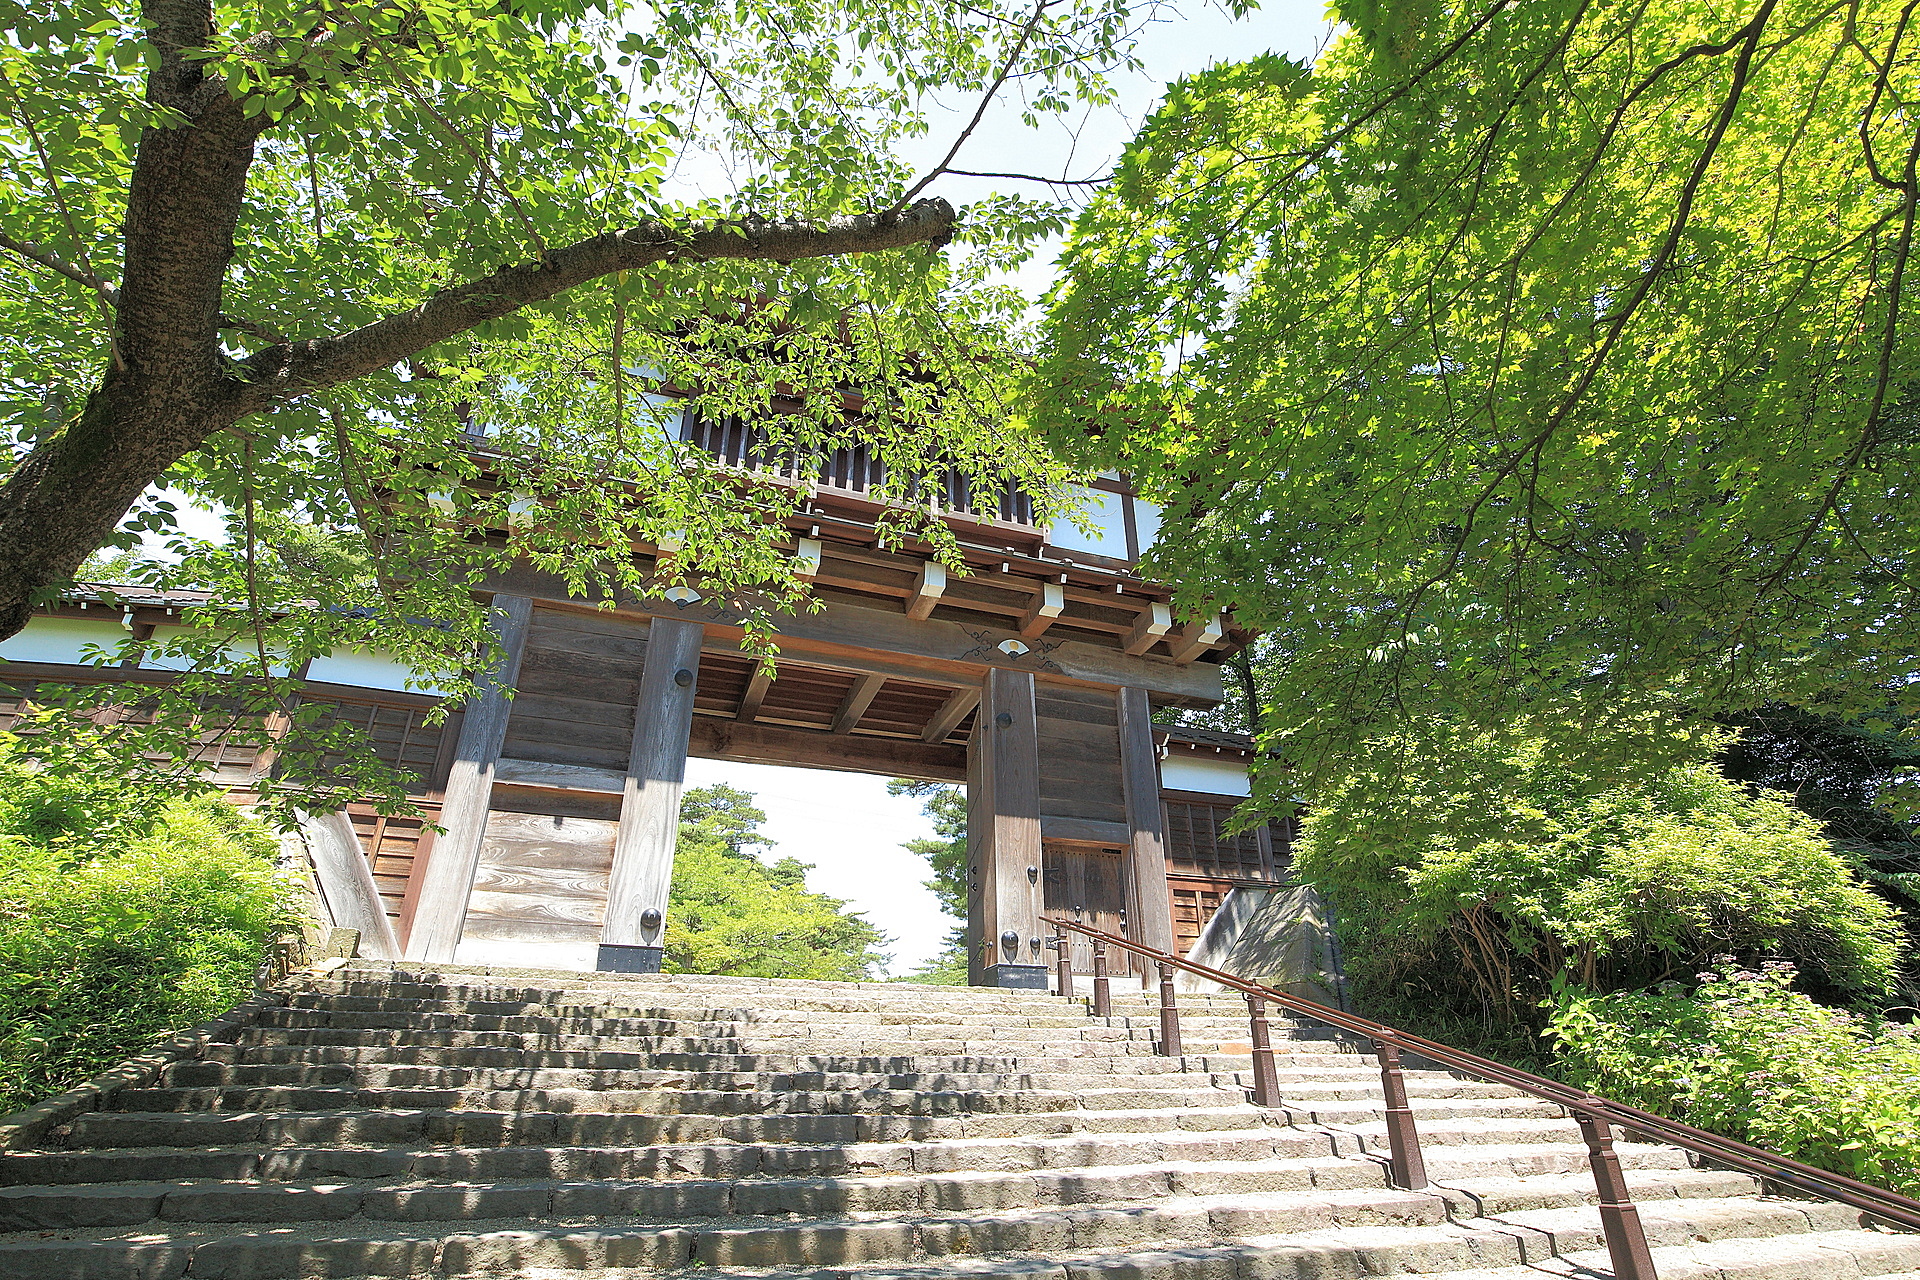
(458, 1202)
(60, 1207)
(267, 1202)
(275, 1257)
(94, 1259)
(816, 1245)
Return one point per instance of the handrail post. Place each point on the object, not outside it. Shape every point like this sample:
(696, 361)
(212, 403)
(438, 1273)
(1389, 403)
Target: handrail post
(1266, 1081)
(1063, 961)
(1102, 1001)
(1407, 1168)
(1619, 1218)
(1169, 1014)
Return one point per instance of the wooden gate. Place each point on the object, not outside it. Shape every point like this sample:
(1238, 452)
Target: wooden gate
(1086, 884)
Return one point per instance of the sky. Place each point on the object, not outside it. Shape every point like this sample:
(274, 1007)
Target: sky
(846, 825)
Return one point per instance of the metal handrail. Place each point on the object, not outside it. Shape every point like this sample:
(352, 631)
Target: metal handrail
(1626, 1241)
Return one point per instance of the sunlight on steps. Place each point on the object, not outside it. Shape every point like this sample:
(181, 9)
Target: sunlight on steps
(403, 1120)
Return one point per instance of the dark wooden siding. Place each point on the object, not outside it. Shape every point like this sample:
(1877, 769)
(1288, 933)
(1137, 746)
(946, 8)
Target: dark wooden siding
(1079, 754)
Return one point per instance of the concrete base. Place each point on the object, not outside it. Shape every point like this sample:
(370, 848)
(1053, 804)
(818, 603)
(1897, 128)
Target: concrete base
(620, 958)
(1019, 977)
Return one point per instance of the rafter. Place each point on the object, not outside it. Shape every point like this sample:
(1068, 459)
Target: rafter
(859, 698)
(950, 714)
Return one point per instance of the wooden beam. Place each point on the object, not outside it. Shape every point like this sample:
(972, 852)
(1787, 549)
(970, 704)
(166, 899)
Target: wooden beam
(448, 880)
(1048, 605)
(858, 699)
(1149, 902)
(1108, 835)
(346, 882)
(1196, 638)
(947, 652)
(1008, 733)
(542, 776)
(1154, 623)
(756, 693)
(927, 589)
(634, 932)
(719, 739)
(950, 714)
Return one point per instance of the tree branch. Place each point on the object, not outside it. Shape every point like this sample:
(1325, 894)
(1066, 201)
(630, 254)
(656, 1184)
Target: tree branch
(986, 100)
(38, 253)
(288, 370)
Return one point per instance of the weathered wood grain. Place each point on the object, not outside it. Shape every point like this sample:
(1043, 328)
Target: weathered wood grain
(442, 906)
(656, 769)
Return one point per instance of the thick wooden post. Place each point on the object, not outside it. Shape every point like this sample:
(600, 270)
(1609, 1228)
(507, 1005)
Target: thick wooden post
(1149, 906)
(1169, 1015)
(346, 882)
(1063, 962)
(1009, 745)
(1102, 995)
(448, 883)
(1266, 1080)
(634, 936)
(1405, 1165)
(1619, 1217)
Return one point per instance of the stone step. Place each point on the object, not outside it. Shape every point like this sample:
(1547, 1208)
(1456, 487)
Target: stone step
(549, 1004)
(1347, 1253)
(387, 1075)
(1113, 1040)
(1301, 1238)
(367, 1128)
(1109, 1092)
(689, 1159)
(1285, 1182)
(612, 1023)
(1095, 1059)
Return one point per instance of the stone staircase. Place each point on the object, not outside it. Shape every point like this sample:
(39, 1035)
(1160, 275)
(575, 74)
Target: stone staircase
(395, 1120)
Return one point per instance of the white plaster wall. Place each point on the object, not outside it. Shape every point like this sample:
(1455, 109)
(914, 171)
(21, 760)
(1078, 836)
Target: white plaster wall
(366, 669)
(62, 639)
(235, 653)
(1146, 522)
(1110, 528)
(1216, 775)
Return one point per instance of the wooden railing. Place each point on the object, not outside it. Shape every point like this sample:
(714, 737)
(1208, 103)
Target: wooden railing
(741, 442)
(1596, 1116)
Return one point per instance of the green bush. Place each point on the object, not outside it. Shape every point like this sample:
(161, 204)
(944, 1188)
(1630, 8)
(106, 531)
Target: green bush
(1749, 1057)
(125, 914)
(1472, 875)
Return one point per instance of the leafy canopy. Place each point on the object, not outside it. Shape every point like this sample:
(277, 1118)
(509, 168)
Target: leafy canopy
(1546, 358)
(389, 155)
(1474, 873)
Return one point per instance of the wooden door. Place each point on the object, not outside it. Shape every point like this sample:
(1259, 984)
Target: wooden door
(1086, 884)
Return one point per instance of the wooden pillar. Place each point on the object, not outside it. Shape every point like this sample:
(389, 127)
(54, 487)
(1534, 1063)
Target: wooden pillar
(1008, 744)
(1149, 907)
(346, 882)
(979, 841)
(634, 936)
(448, 882)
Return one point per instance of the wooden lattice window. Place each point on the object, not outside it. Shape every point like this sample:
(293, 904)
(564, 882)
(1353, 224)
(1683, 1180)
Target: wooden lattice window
(1200, 844)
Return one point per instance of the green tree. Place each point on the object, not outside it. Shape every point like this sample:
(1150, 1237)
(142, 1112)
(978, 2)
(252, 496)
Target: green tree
(302, 255)
(730, 912)
(1543, 359)
(1474, 876)
(946, 855)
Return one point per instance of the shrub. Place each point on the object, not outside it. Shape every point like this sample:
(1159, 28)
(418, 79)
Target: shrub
(1748, 1057)
(125, 914)
(1478, 873)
